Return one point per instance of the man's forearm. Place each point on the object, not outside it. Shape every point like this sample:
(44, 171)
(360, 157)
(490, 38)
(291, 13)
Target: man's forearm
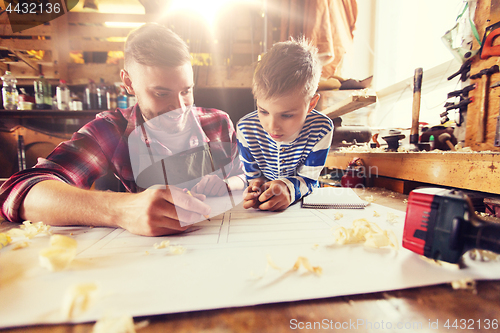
(57, 203)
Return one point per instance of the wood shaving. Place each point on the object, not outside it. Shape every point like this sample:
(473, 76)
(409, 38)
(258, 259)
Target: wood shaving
(301, 261)
(444, 264)
(59, 254)
(304, 262)
(162, 245)
(370, 199)
(4, 239)
(177, 249)
(375, 214)
(365, 232)
(78, 299)
(19, 245)
(29, 230)
(174, 249)
(467, 283)
(123, 324)
(483, 255)
(392, 218)
(270, 263)
(338, 215)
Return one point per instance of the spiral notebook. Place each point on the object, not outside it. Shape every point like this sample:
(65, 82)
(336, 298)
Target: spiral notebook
(333, 197)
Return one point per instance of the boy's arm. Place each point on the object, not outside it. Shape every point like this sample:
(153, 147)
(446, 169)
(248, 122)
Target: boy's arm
(308, 174)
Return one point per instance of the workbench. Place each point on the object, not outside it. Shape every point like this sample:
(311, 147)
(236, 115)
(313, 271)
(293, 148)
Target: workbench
(439, 303)
(477, 171)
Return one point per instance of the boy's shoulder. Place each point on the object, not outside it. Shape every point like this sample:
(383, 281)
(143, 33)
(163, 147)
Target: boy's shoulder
(250, 118)
(317, 119)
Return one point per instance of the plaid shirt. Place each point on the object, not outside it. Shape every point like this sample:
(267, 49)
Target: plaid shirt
(99, 146)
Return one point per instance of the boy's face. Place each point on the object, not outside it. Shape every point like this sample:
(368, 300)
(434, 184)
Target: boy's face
(282, 117)
(162, 90)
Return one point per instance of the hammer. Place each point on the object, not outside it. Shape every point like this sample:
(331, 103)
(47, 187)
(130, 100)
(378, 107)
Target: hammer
(445, 138)
(441, 224)
(417, 87)
(485, 74)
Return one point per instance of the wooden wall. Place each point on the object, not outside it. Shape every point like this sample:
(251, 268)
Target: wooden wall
(487, 13)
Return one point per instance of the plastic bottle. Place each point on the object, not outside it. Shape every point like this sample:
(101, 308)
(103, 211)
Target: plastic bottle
(102, 103)
(43, 94)
(431, 142)
(90, 96)
(122, 99)
(62, 96)
(9, 91)
(112, 103)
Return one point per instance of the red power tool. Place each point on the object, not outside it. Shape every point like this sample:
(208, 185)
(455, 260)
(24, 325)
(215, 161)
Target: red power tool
(441, 224)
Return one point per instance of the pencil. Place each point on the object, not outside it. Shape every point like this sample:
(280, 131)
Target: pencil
(189, 192)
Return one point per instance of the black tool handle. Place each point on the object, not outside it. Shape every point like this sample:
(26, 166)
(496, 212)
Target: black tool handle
(417, 86)
(488, 237)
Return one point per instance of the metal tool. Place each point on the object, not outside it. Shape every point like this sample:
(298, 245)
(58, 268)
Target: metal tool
(497, 130)
(417, 87)
(441, 224)
(497, 133)
(463, 71)
(487, 48)
(483, 110)
(446, 139)
(462, 92)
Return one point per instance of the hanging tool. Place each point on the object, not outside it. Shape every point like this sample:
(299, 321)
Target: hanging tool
(446, 139)
(441, 224)
(483, 110)
(497, 130)
(487, 47)
(463, 71)
(417, 87)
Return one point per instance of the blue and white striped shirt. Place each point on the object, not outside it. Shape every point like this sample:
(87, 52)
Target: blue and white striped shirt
(298, 163)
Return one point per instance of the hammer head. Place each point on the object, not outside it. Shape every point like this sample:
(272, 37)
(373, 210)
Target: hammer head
(435, 221)
(487, 71)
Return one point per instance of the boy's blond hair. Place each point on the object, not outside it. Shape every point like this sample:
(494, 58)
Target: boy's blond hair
(286, 67)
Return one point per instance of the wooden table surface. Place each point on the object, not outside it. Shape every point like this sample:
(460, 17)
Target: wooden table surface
(412, 310)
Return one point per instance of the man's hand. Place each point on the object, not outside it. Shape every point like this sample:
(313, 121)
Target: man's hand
(153, 212)
(275, 196)
(211, 185)
(157, 212)
(252, 192)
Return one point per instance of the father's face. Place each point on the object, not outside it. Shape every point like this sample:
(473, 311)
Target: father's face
(166, 91)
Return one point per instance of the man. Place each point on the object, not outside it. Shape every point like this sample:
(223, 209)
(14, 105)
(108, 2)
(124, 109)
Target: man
(159, 73)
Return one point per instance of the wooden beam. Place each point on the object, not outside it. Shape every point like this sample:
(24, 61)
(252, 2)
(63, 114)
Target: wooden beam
(96, 46)
(26, 44)
(85, 31)
(79, 17)
(473, 171)
(351, 103)
(60, 49)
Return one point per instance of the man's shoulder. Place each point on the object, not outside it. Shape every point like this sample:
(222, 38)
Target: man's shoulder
(208, 116)
(110, 121)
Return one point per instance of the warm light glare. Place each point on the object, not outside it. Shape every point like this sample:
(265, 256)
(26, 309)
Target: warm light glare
(123, 24)
(207, 9)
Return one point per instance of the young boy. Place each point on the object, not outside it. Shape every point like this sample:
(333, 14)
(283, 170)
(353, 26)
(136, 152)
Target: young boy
(285, 142)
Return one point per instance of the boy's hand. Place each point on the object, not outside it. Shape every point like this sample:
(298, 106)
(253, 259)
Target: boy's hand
(210, 185)
(275, 196)
(251, 194)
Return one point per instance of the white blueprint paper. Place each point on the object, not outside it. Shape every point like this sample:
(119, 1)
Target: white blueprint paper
(224, 265)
